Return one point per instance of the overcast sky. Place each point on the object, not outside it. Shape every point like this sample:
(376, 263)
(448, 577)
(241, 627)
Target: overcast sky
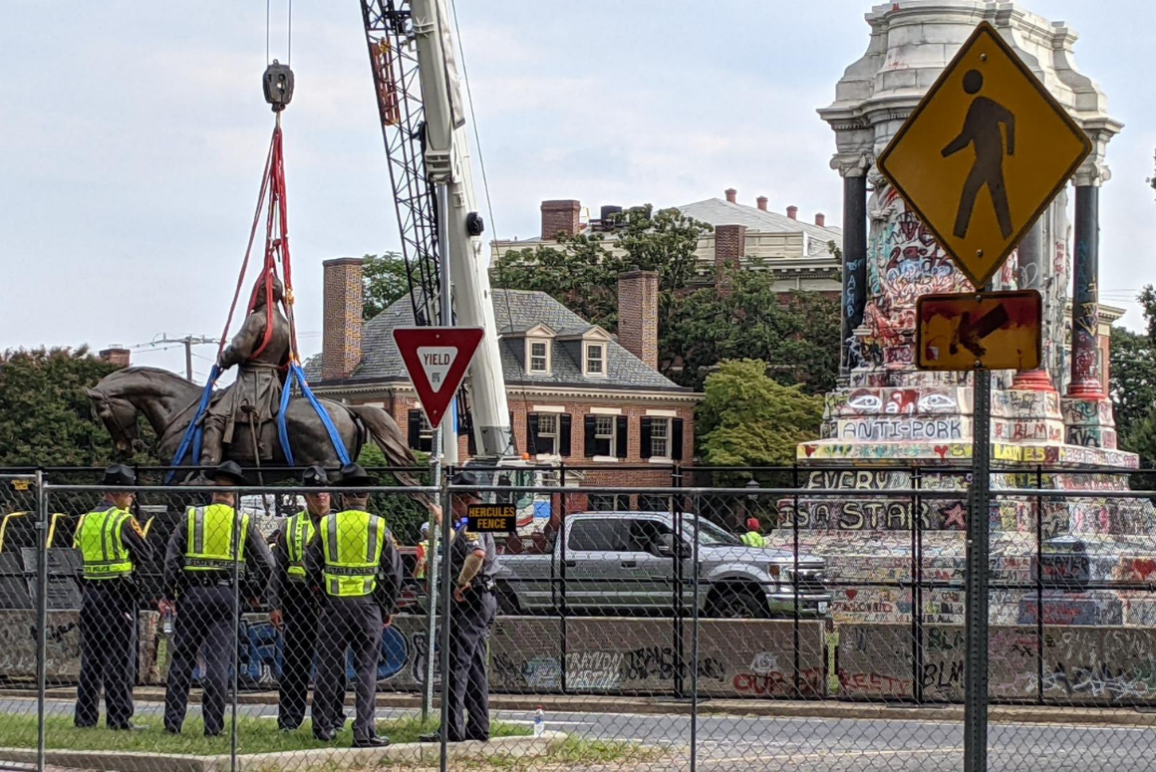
(132, 137)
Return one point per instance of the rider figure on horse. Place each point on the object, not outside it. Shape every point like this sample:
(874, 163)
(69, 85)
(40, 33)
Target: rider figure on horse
(262, 359)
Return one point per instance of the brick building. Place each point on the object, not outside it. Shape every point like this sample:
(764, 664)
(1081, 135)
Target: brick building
(796, 251)
(579, 397)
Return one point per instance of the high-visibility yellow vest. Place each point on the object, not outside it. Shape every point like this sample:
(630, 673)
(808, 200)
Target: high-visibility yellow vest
(211, 532)
(100, 539)
(352, 541)
(299, 532)
(423, 557)
(754, 539)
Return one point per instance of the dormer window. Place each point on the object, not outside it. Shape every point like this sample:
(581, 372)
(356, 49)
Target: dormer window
(539, 357)
(538, 354)
(595, 357)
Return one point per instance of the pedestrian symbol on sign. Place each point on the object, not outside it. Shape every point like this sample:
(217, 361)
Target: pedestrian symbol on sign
(982, 128)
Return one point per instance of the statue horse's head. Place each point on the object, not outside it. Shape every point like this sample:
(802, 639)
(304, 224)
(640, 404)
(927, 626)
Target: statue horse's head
(119, 416)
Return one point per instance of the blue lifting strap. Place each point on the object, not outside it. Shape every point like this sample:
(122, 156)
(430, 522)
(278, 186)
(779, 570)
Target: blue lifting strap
(194, 431)
(296, 374)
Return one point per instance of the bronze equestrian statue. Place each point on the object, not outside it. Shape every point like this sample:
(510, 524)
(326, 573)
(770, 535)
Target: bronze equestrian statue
(168, 402)
(254, 399)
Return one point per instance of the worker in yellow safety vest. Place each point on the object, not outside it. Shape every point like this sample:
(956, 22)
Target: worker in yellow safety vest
(423, 556)
(754, 537)
(355, 566)
(294, 605)
(213, 557)
(112, 546)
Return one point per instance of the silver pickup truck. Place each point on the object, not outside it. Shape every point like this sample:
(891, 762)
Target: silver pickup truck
(624, 562)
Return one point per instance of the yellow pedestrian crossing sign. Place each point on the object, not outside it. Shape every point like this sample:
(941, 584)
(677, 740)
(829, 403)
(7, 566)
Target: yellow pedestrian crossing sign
(983, 154)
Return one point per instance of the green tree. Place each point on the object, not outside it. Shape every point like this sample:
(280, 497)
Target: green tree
(582, 271)
(46, 419)
(796, 333)
(750, 419)
(385, 282)
(1133, 381)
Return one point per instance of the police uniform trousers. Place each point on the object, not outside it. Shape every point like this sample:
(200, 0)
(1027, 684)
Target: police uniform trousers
(204, 622)
(353, 623)
(469, 684)
(299, 615)
(107, 652)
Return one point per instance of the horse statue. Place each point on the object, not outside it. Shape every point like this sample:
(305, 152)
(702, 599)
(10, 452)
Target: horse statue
(169, 402)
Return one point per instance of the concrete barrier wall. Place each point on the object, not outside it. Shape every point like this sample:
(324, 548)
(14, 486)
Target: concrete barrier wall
(1082, 665)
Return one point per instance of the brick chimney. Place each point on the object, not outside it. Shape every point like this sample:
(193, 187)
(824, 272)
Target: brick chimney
(821, 220)
(341, 324)
(638, 314)
(730, 246)
(559, 217)
(731, 194)
(792, 212)
(117, 356)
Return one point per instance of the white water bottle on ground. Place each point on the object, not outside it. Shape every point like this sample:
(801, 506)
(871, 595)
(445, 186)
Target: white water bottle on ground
(539, 724)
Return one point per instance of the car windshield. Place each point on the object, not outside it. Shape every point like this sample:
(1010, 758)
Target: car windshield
(709, 533)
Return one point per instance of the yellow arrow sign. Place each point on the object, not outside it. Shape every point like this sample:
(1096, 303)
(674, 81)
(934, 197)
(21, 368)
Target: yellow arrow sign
(983, 154)
(989, 330)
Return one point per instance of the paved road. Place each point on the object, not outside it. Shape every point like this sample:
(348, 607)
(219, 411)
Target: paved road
(810, 744)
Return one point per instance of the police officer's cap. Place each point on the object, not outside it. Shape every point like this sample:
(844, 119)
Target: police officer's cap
(467, 479)
(354, 476)
(119, 474)
(230, 472)
(315, 477)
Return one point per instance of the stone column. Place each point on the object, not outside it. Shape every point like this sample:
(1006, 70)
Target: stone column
(1033, 265)
(854, 297)
(1085, 383)
(1087, 410)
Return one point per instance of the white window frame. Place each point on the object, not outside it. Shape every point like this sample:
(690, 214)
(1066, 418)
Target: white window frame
(530, 343)
(667, 424)
(552, 434)
(586, 346)
(611, 438)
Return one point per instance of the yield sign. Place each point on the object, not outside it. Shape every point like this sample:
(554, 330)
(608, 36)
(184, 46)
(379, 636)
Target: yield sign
(983, 154)
(437, 359)
(988, 330)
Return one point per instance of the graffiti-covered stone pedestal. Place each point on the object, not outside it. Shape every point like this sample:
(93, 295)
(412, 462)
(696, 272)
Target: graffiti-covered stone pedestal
(890, 427)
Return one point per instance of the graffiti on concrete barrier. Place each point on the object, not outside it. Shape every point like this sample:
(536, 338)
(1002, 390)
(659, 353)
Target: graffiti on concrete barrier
(779, 684)
(594, 670)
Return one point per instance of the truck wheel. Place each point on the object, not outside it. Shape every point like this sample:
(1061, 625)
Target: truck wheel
(738, 605)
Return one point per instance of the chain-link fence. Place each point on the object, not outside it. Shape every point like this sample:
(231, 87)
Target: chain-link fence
(669, 618)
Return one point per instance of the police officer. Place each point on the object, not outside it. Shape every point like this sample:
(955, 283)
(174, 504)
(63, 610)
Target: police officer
(202, 560)
(473, 561)
(355, 564)
(754, 536)
(112, 545)
(294, 605)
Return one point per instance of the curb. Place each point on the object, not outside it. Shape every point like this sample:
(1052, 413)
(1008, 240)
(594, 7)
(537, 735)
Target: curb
(767, 708)
(361, 758)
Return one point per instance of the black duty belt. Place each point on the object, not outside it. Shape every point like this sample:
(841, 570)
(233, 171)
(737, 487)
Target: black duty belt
(209, 581)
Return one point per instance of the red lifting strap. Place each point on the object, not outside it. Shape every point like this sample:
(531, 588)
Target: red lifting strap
(276, 250)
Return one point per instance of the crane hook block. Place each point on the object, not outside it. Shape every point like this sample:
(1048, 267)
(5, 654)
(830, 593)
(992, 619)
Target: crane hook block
(278, 84)
(475, 224)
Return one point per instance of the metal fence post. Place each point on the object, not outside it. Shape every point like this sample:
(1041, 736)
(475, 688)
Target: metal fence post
(795, 580)
(447, 598)
(238, 535)
(916, 591)
(41, 618)
(975, 694)
(1039, 577)
(694, 648)
(558, 569)
(431, 595)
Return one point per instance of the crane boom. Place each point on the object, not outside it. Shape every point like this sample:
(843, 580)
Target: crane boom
(423, 120)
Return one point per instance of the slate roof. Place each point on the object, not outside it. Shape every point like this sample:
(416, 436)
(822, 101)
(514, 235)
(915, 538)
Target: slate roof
(515, 312)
